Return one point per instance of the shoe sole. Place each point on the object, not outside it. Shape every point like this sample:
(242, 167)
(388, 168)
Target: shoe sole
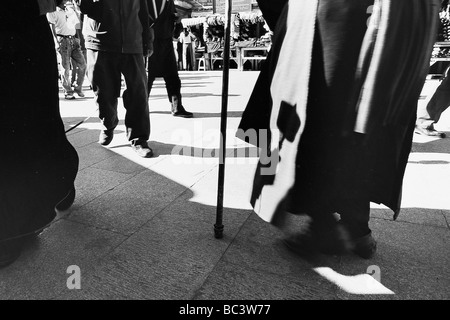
(437, 134)
(183, 116)
(107, 141)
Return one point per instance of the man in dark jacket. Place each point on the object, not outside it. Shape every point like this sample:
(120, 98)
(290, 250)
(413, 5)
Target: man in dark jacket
(163, 63)
(117, 36)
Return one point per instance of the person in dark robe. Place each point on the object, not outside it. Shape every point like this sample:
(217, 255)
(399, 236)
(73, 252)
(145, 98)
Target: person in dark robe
(340, 115)
(38, 165)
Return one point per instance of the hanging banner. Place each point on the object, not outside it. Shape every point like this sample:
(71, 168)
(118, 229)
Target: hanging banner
(237, 6)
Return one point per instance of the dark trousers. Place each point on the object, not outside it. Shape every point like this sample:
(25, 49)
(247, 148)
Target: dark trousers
(104, 72)
(163, 64)
(438, 103)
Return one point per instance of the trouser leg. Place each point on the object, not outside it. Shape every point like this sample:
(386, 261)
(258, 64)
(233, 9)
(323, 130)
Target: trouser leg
(80, 62)
(104, 75)
(439, 102)
(65, 50)
(173, 86)
(135, 97)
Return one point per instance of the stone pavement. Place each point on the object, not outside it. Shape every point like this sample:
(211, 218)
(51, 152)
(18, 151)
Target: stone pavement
(144, 228)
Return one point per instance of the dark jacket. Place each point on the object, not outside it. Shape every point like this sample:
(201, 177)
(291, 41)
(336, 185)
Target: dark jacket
(163, 20)
(116, 25)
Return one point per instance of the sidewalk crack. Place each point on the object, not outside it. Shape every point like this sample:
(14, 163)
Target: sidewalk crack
(445, 218)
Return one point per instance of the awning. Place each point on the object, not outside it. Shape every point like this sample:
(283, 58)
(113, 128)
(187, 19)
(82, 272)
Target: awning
(192, 21)
(251, 16)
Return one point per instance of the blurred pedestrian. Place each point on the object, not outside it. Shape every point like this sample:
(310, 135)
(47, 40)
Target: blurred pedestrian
(117, 37)
(38, 165)
(79, 35)
(187, 40)
(343, 101)
(163, 63)
(63, 22)
(428, 114)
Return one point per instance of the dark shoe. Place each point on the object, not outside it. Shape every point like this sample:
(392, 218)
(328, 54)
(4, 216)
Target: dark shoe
(105, 137)
(178, 109)
(333, 240)
(365, 246)
(80, 94)
(142, 149)
(429, 131)
(69, 96)
(301, 244)
(182, 113)
(9, 252)
(67, 202)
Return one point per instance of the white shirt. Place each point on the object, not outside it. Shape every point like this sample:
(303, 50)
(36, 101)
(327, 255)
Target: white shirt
(186, 39)
(65, 21)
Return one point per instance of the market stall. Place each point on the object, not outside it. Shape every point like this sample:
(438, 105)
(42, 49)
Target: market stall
(250, 39)
(440, 57)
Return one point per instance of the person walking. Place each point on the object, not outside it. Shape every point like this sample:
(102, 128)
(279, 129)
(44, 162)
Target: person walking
(163, 63)
(79, 35)
(342, 107)
(38, 165)
(63, 24)
(117, 37)
(428, 114)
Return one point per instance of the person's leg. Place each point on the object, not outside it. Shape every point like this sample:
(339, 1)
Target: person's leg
(65, 50)
(320, 160)
(353, 192)
(78, 57)
(355, 216)
(430, 113)
(173, 82)
(74, 73)
(185, 59)
(135, 97)
(104, 75)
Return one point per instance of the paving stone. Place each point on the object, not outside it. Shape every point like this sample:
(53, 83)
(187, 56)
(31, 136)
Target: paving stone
(234, 282)
(413, 260)
(169, 258)
(91, 183)
(41, 270)
(124, 206)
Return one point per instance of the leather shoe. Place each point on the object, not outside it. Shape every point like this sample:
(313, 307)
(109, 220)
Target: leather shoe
(181, 112)
(142, 149)
(332, 241)
(365, 246)
(106, 137)
(429, 131)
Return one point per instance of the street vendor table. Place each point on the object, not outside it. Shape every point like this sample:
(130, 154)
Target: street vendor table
(218, 56)
(253, 54)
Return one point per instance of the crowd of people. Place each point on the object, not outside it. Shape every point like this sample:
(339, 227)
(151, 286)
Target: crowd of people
(340, 106)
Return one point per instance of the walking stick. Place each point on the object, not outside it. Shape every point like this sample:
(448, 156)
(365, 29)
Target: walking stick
(218, 227)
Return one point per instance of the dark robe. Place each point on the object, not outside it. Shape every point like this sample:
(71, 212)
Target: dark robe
(38, 165)
(351, 137)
